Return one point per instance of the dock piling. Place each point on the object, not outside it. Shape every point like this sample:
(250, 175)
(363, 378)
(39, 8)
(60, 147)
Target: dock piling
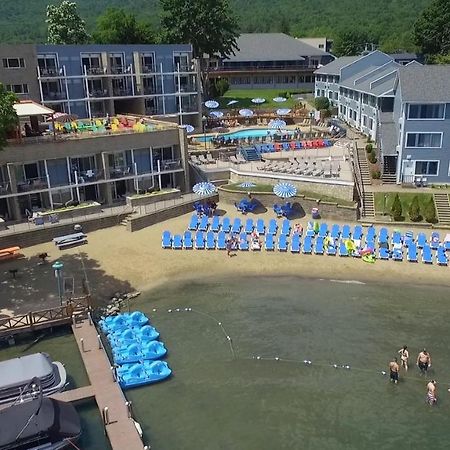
(105, 415)
(100, 345)
(82, 344)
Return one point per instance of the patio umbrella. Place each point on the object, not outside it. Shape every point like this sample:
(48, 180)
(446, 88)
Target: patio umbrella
(246, 112)
(285, 190)
(211, 104)
(277, 123)
(258, 100)
(283, 111)
(279, 99)
(247, 184)
(63, 117)
(216, 114)
(204, 188)
(232, 102)
(188, 128)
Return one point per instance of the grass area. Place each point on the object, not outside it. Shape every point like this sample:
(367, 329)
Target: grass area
(244, 97)
(327, 198)
(405, 200)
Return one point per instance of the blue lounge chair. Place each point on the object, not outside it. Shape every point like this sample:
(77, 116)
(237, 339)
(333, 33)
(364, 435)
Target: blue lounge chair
(427, 256)
(215, 224)
(270, 246)
(370, 236)
(193, 224)
(318, 248)
(187, 241)
(295, 243)
(260, 227)
(203, 226)
(345, 232)
(335, 231)
(177, 242)
(447, 245)
(409, 238)
(421, 240)
(383, 236)
(237, 225)
(249, 225)
(273, 227)
(307, 245)
(243, 242)
(397, 254)
(396, 238)
(383, 253)
(278, 210)
(282, 243)
(442, 259)
(357, 233)
(221, 240)
(286, 227)
(370, 244)
(434, 241)
(210, 240)
(331, 250)
(343, 249)
(412, 252)
(166, 240)
(323, 230)
(226, 225)
(199, 240)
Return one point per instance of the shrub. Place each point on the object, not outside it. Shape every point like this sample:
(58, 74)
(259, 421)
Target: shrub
(430, 212)
(414, 210)
(284, 94)
(372, 157)
(396, 209)
(369, 148)
(221, 86)
(321, 103)
(376, 174)
(369, 140)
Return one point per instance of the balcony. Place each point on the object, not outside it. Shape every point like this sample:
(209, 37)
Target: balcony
(5, 188)
(32, 184)
(151, 111)
(117, 92)
(119, 70)
(184, 68)
(54, 96)
(50, 72)
(263, 68)
(191, 87)
(95, 71)
(99, 93)
(89, 176)
(120, 172)
(168, 165)
(149, 69)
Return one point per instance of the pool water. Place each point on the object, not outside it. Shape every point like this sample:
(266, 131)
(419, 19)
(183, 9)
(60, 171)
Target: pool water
(241, 134)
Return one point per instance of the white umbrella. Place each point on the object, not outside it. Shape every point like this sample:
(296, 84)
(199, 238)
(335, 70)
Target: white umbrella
(246, 112)
(279, 99)
(216, 114)
(277, 123)
(283, 111)
(63, 117)
(211, 104)
(204, 188)
(187, 127)
(232, 102)
(285, 190)
(258, 100)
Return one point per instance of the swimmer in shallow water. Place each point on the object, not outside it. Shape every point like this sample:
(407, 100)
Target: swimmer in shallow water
(404, 356)
(424, 361)
(431, 393)
(393, 370)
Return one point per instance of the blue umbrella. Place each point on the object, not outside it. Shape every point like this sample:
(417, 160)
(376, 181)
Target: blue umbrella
(283, 111)
(279, 99)
(204, 188)
(232, 102)
(188, 128)
(258, 100)
(285, 190)
(246, 112)
(216, 114)
(277, 123)
(211, 104)
(247, 184)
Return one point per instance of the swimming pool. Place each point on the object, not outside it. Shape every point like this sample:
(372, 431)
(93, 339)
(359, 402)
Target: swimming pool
(241, 134)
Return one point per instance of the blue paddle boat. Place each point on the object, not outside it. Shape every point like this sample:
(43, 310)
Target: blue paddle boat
(133, 375)
(153, 350)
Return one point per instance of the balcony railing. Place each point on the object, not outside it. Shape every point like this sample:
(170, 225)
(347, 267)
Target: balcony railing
(120, 172)
(168, 164)
(151, 111)
(150, 91)
(88, 176)
(32, 184)
(50, 72)
(95, 71)
(5, 188)
(49, 96)
(118, 70)
(263, 67)
(98, 93)
(149, 69)
(187, 88)
(189, 108)
(122, 92)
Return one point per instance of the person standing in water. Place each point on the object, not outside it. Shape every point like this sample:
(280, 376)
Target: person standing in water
(393, 370)
(424, 361)
(431, 392)
(404, 356)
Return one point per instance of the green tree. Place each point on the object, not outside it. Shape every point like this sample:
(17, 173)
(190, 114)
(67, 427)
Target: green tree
(64, 25)
(321, 103)
(117, 26)
(432, 29)
(396, 209)
(430, 212)
(8, 115)
(208, 25)
(350, 42)
(414, 210)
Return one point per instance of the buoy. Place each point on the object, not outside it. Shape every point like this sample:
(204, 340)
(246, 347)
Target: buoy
(347, 367)
(178, 309)
(169, 310)
(219, 323)
(277, 359)
(335, 366)
(154, 309)
(228, 337)
(384, 373)
(186, 309)
(258, 357)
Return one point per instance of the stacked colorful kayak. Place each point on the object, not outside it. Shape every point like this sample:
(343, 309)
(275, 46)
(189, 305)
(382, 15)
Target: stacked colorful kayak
(135, 349)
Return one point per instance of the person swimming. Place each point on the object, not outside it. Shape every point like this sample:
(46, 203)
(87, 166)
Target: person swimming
(431, 393)
(404, 356)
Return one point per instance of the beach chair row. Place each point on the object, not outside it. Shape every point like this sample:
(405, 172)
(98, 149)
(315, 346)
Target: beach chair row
(293, 145)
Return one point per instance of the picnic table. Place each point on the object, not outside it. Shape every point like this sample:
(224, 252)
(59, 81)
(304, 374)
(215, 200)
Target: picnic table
(70, 239)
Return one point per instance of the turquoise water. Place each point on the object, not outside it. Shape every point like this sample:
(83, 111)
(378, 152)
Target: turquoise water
(241, 134)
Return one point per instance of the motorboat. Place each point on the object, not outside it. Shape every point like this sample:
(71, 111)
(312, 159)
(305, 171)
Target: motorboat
(16, 373)
(134, 375)
(39, 424)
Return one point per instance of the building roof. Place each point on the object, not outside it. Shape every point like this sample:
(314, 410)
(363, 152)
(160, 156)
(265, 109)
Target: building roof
(272, 47)
(334, 67)
(27, 108)
(429, 83)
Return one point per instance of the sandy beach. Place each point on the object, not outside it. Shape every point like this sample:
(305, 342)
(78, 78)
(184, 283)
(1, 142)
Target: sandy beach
(116, 260)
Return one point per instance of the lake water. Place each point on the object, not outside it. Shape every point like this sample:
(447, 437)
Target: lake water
(222, 397)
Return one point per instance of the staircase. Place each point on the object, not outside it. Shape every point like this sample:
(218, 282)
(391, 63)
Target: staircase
(364, 167)
(442, 204)
(125, 220)
(368, 201)
(250, 154)
(389, 178)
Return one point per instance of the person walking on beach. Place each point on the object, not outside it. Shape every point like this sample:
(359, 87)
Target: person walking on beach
(424, 361)
(393, 370)
(229, 246)
(404, 356)
(431, 392)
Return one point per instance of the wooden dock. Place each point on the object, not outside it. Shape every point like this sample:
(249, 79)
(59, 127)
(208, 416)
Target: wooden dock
(75, 395)
(121, 430)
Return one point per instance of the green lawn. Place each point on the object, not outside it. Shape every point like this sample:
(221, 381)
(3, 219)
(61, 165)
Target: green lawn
(244, 97)
(405, 199)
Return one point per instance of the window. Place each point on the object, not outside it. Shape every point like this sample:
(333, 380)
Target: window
(320, 45)
(427, 167)
(17, 88)
(370, 123)
(181, 61)
(308, 79)
(428, 140)
(318, 93)
(13, 63)
(48, 64)
(148, 62)
(92, 63)
(431, 111)
(365, 121)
